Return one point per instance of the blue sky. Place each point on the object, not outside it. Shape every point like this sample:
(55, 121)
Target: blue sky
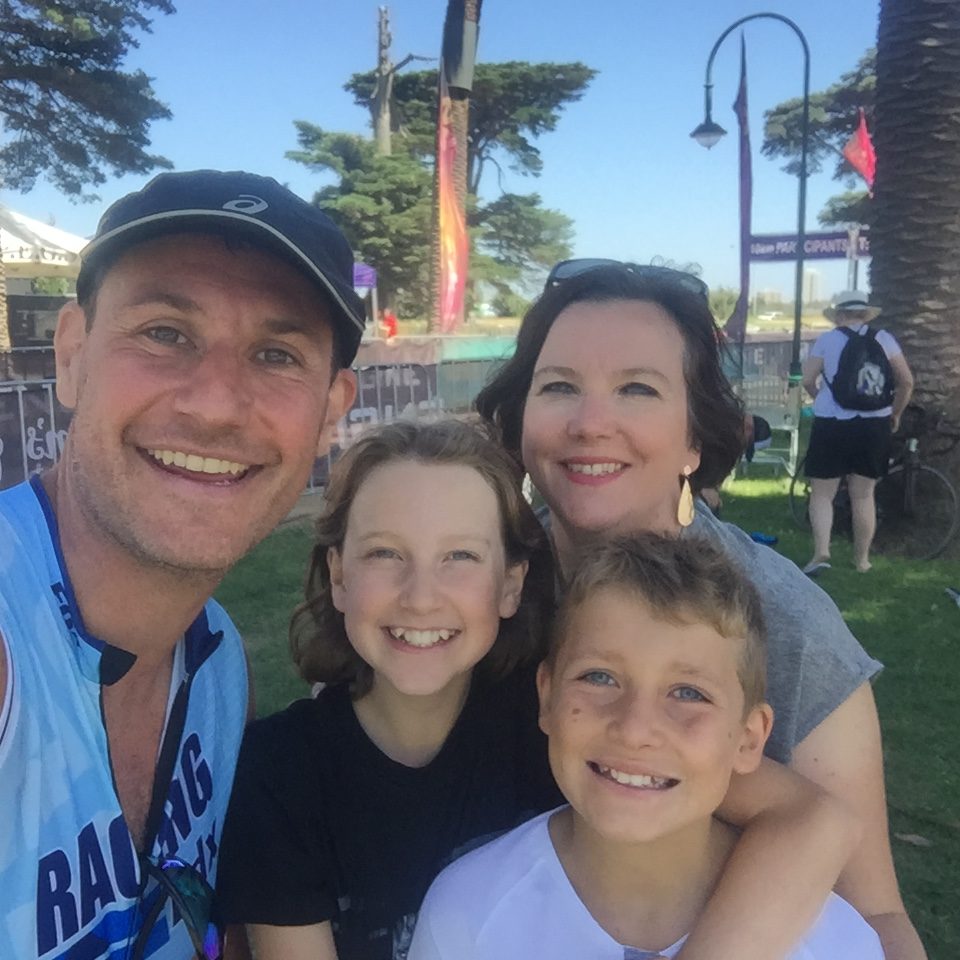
(236, 74)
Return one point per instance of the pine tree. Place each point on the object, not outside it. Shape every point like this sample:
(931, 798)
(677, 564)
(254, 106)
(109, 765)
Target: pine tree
(67, 110)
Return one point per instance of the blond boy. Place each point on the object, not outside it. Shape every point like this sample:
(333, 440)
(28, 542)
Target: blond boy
(652, 698)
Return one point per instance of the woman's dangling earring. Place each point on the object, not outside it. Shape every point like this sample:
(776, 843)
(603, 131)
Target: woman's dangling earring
(685, 510)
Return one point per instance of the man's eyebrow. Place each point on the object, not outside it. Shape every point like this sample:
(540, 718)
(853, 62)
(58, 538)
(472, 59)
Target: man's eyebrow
(166, 298)
(308, 326)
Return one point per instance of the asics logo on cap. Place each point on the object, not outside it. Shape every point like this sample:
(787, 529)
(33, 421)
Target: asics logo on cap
(246, 203)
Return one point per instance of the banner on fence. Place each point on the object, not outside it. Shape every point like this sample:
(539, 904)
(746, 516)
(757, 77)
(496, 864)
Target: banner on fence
(33, 427)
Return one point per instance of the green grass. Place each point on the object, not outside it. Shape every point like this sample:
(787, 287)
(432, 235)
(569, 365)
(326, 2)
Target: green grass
(898, 611)
(260, 593)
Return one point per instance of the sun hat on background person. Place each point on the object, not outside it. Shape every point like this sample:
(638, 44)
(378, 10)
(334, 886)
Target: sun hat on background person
(241, 205)
(851, 305)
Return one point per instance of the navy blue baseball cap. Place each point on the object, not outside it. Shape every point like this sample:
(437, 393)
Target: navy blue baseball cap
(256, 208)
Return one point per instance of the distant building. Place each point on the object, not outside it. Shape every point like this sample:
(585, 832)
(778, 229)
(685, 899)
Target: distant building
(811, 285)
(769, 296)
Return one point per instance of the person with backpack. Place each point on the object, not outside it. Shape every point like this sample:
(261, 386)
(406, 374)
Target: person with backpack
(861, 384)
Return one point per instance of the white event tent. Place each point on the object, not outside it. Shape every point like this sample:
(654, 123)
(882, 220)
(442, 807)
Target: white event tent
(29, 248)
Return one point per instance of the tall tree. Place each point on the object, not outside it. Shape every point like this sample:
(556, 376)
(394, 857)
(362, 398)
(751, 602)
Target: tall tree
(68, 110)
(383, 205)
(915, 238)
(515, 242)
(512, 104)
(833, 117)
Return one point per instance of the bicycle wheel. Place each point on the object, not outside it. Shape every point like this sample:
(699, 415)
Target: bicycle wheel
(800, 497)
(921, 525)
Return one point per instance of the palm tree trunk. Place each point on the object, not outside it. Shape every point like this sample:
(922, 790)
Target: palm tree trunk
(915, 237)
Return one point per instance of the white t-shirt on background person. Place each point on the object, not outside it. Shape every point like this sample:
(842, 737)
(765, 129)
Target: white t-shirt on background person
(828, 346)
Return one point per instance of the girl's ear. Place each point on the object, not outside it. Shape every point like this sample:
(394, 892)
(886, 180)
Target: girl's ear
(544, 682)
(512, 589)
(335, 566)
(756, 729)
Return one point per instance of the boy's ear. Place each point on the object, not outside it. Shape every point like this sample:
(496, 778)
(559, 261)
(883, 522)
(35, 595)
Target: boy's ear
(544, 682)
(335, 566)
(68, 341)
(756, 730)
(512, 589)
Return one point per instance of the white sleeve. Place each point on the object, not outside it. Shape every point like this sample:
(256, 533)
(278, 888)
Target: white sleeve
(429, 940)
(819, 348)
(839, 932)
(423, 946)
(889, 343)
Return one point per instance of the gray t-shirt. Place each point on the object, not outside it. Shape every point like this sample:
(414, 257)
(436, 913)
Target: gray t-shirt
(814, 662)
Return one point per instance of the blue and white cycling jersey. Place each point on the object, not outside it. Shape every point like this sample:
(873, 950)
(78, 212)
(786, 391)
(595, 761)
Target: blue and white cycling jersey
(70, 877)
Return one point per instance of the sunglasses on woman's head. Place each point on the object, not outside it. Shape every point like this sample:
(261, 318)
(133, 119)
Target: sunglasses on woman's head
(567, 269)
(192, 898)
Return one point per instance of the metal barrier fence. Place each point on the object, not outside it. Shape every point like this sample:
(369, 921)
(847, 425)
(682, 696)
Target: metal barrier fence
(761, 378)
(33, 425)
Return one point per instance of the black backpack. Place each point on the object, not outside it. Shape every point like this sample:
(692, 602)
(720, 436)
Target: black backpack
(864, 378)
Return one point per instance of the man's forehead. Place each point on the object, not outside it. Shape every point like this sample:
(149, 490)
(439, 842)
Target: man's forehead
(165, 268)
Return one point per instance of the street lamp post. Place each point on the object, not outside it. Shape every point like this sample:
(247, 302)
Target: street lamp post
(709, 133)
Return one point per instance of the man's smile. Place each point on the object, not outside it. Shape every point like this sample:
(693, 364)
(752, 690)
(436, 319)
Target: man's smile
(194, 463)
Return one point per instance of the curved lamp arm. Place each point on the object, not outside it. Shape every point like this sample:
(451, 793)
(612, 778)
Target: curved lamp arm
(708, 133)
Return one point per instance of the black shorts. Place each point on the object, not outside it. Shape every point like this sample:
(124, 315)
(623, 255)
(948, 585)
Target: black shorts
(837, 448)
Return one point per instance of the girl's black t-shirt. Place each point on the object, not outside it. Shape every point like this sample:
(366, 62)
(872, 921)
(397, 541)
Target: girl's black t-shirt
(324, 826)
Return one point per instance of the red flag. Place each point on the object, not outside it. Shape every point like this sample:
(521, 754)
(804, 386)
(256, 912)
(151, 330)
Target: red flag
(859, 152)
(454, 243)
(736, 325)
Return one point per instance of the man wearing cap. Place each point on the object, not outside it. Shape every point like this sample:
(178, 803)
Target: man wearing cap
(845, 442)
(205, 360)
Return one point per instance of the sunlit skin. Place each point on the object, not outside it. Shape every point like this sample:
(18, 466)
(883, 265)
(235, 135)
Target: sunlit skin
(642, 696)
(423, 588)
(198, 350)
(605, 430)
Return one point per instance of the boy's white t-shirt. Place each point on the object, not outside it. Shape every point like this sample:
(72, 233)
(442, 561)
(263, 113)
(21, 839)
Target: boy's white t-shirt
(511, 899)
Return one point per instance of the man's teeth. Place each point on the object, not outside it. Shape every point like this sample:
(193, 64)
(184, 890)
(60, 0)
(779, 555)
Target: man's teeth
(594, 469)
(420, 638)
(197, 464)
(635, 779)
